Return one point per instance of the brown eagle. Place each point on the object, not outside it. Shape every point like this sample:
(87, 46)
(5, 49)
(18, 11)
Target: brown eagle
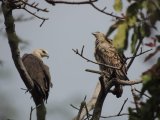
(39, 73)
(106, 53)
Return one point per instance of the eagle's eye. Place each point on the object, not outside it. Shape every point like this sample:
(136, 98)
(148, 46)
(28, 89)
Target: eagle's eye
(43, 51)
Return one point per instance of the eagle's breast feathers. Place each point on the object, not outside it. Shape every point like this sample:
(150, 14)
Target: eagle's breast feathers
(39, 73)
(107, 54)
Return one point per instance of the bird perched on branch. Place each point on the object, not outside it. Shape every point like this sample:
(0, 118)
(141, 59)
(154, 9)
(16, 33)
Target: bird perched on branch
(39, 73)
(107, 54)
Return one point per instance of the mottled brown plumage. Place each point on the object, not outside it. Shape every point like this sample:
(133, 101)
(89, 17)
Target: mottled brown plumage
(106, 53)
(39, 73)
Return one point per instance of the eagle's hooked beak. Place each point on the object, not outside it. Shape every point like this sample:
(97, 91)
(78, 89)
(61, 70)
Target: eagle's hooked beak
(94, 33)
(47, 56)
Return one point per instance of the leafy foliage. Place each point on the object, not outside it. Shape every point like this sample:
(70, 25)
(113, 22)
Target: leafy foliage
(118, 5)
(141, 17)
(139, 22)
(149, 110)
(120, 39)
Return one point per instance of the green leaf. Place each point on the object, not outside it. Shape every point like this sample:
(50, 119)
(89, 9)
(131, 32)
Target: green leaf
(146, 78)
(120, 39)
(113, 27)
(132, 21)
(117, 5)
(144, 4)
(134, 40)
(132, 9)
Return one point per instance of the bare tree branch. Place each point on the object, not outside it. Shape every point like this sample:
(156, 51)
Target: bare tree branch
(91, 103)
(34, 5)
(81, 55)
(13, 40)
(143, 93)
(74, 107)
(94, 71)
(122, 82)
(134, 98)
(23, 4)
(53, 2)
(103, 11)
(115, 115)
(135, 53)
(129, 65)
(30, 117)
(122, 107)
(88, 115)
(34, 14)
(81, 108)
(101, 97)
(138, 54)
(130, 82)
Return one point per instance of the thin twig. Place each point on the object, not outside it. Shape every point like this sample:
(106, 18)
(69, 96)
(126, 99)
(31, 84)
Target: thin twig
(122, 107)
(26, 90)
(103, 11)
(129, 65)
(42, 18)
(30, 118)
(114, 115)
(104, 116)
(82, 50)
(135, 98)
(34, 5)
(74, 107)
(135, 53)
(91, 103)
(77, 52)
(53, 2)
(94, 71)
(87, 112)
(140, 93)
(81, 108)
(42, 23)
(138, 54)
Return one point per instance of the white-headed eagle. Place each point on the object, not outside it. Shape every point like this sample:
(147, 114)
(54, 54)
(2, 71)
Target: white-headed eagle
(39, 73)
(107, 54)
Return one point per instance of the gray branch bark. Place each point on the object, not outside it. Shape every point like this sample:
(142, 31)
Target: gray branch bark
(13, 41)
